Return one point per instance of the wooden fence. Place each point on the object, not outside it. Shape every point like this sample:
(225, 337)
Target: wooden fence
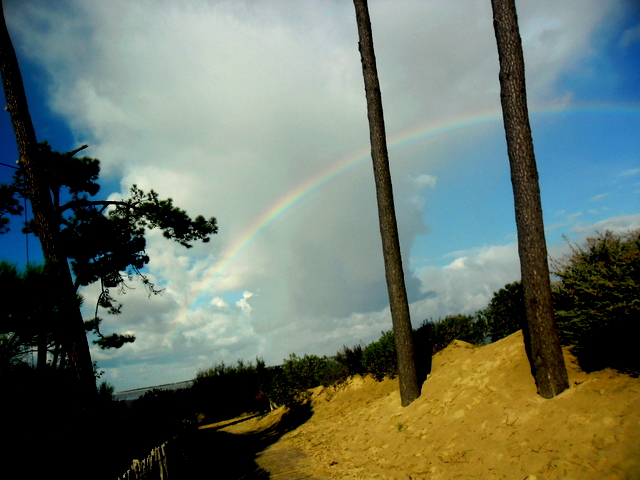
(154, 467)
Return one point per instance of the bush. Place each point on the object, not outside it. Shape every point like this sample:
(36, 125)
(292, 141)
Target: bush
(351, 358)
(290, 384)
(225, 391)
(598, 301)
(435, 336)
(335, 374)
(379, 358)
(505, 314)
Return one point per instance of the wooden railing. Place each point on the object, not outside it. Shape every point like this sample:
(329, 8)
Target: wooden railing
(154, 467)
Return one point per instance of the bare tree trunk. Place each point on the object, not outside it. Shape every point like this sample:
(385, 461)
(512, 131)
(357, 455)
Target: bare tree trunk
(47, 228)
(544, 350)
(409, 388)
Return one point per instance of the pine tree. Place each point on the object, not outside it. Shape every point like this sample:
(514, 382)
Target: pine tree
(541, 336)
(42, 208)
(407, 375)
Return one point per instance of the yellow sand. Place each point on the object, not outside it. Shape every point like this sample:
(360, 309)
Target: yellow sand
(478, 417)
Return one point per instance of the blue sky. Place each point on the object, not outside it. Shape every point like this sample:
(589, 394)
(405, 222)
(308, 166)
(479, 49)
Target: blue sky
(231, 108)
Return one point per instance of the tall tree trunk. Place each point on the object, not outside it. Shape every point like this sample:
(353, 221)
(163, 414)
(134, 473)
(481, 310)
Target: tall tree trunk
(44, 215)
(545, 352)
(409, 388)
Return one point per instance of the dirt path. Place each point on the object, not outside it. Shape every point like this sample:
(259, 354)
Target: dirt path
(289, 463)
(247, 448)
(478, 416)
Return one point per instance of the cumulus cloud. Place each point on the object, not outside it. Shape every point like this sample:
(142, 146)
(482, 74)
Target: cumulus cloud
(239, 110)
(468, 282)
(616, 224)
(243, 303)
(425, 180)
(219, 302)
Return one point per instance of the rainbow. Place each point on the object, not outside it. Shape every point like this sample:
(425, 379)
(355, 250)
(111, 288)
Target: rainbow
(294, 197)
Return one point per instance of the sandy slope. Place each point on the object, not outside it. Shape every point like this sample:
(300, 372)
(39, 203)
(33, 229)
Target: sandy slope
(478, 417)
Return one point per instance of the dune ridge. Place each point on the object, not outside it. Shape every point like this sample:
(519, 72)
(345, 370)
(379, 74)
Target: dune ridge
(478, 416)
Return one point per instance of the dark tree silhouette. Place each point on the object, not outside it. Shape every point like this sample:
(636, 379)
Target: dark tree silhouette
(42, 208)
(541, 337)
(409, 387)
(104, 240)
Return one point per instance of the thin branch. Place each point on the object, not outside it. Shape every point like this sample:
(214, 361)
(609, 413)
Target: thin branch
(73, 152)
(86, 203)
(10, 166)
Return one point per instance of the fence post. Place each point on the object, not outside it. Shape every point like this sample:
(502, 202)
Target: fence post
(153, 467)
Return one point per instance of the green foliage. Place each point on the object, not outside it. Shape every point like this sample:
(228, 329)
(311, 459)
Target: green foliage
(115, 340)
(106, 390)
(12, 353)
(505, 314)
(224, 391)
(24, 322)
(103, 239)
(11, 285)
(598, 301)
(380, 359)
(292, 381)
(9, 205)
(351, 358)
(439, 334)
(307, 371)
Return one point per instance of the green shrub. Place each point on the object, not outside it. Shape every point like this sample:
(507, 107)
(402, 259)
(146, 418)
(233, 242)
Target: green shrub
(335, 373)
(505, 314)
(278, 389)
(598, 301)
(351, 358)
(224, 391)
(306, 372)
(290, 383)
(435, 336)
(379, 358)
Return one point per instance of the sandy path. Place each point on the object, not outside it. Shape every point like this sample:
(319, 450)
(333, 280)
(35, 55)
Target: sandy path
(478, 417)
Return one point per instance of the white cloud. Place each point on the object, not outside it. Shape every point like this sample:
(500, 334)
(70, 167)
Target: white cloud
(467, 283)
(235, 109)
(244, 304)
(425, 180)
(219, 302)
(617, 224)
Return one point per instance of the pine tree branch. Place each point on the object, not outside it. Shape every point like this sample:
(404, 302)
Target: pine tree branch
(89, 203)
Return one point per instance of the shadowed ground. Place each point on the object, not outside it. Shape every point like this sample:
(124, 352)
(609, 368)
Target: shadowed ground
(479, 416)
(211, 453)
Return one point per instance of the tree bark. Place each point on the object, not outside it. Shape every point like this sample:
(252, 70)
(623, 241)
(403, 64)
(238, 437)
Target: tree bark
(44, 214)
(409, 388)
(541, 338)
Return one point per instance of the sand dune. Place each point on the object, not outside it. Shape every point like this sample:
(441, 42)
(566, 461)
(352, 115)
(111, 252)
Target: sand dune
(478, 417)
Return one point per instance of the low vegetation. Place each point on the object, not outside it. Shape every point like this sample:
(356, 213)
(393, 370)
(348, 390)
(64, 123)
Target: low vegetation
(597, 300)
